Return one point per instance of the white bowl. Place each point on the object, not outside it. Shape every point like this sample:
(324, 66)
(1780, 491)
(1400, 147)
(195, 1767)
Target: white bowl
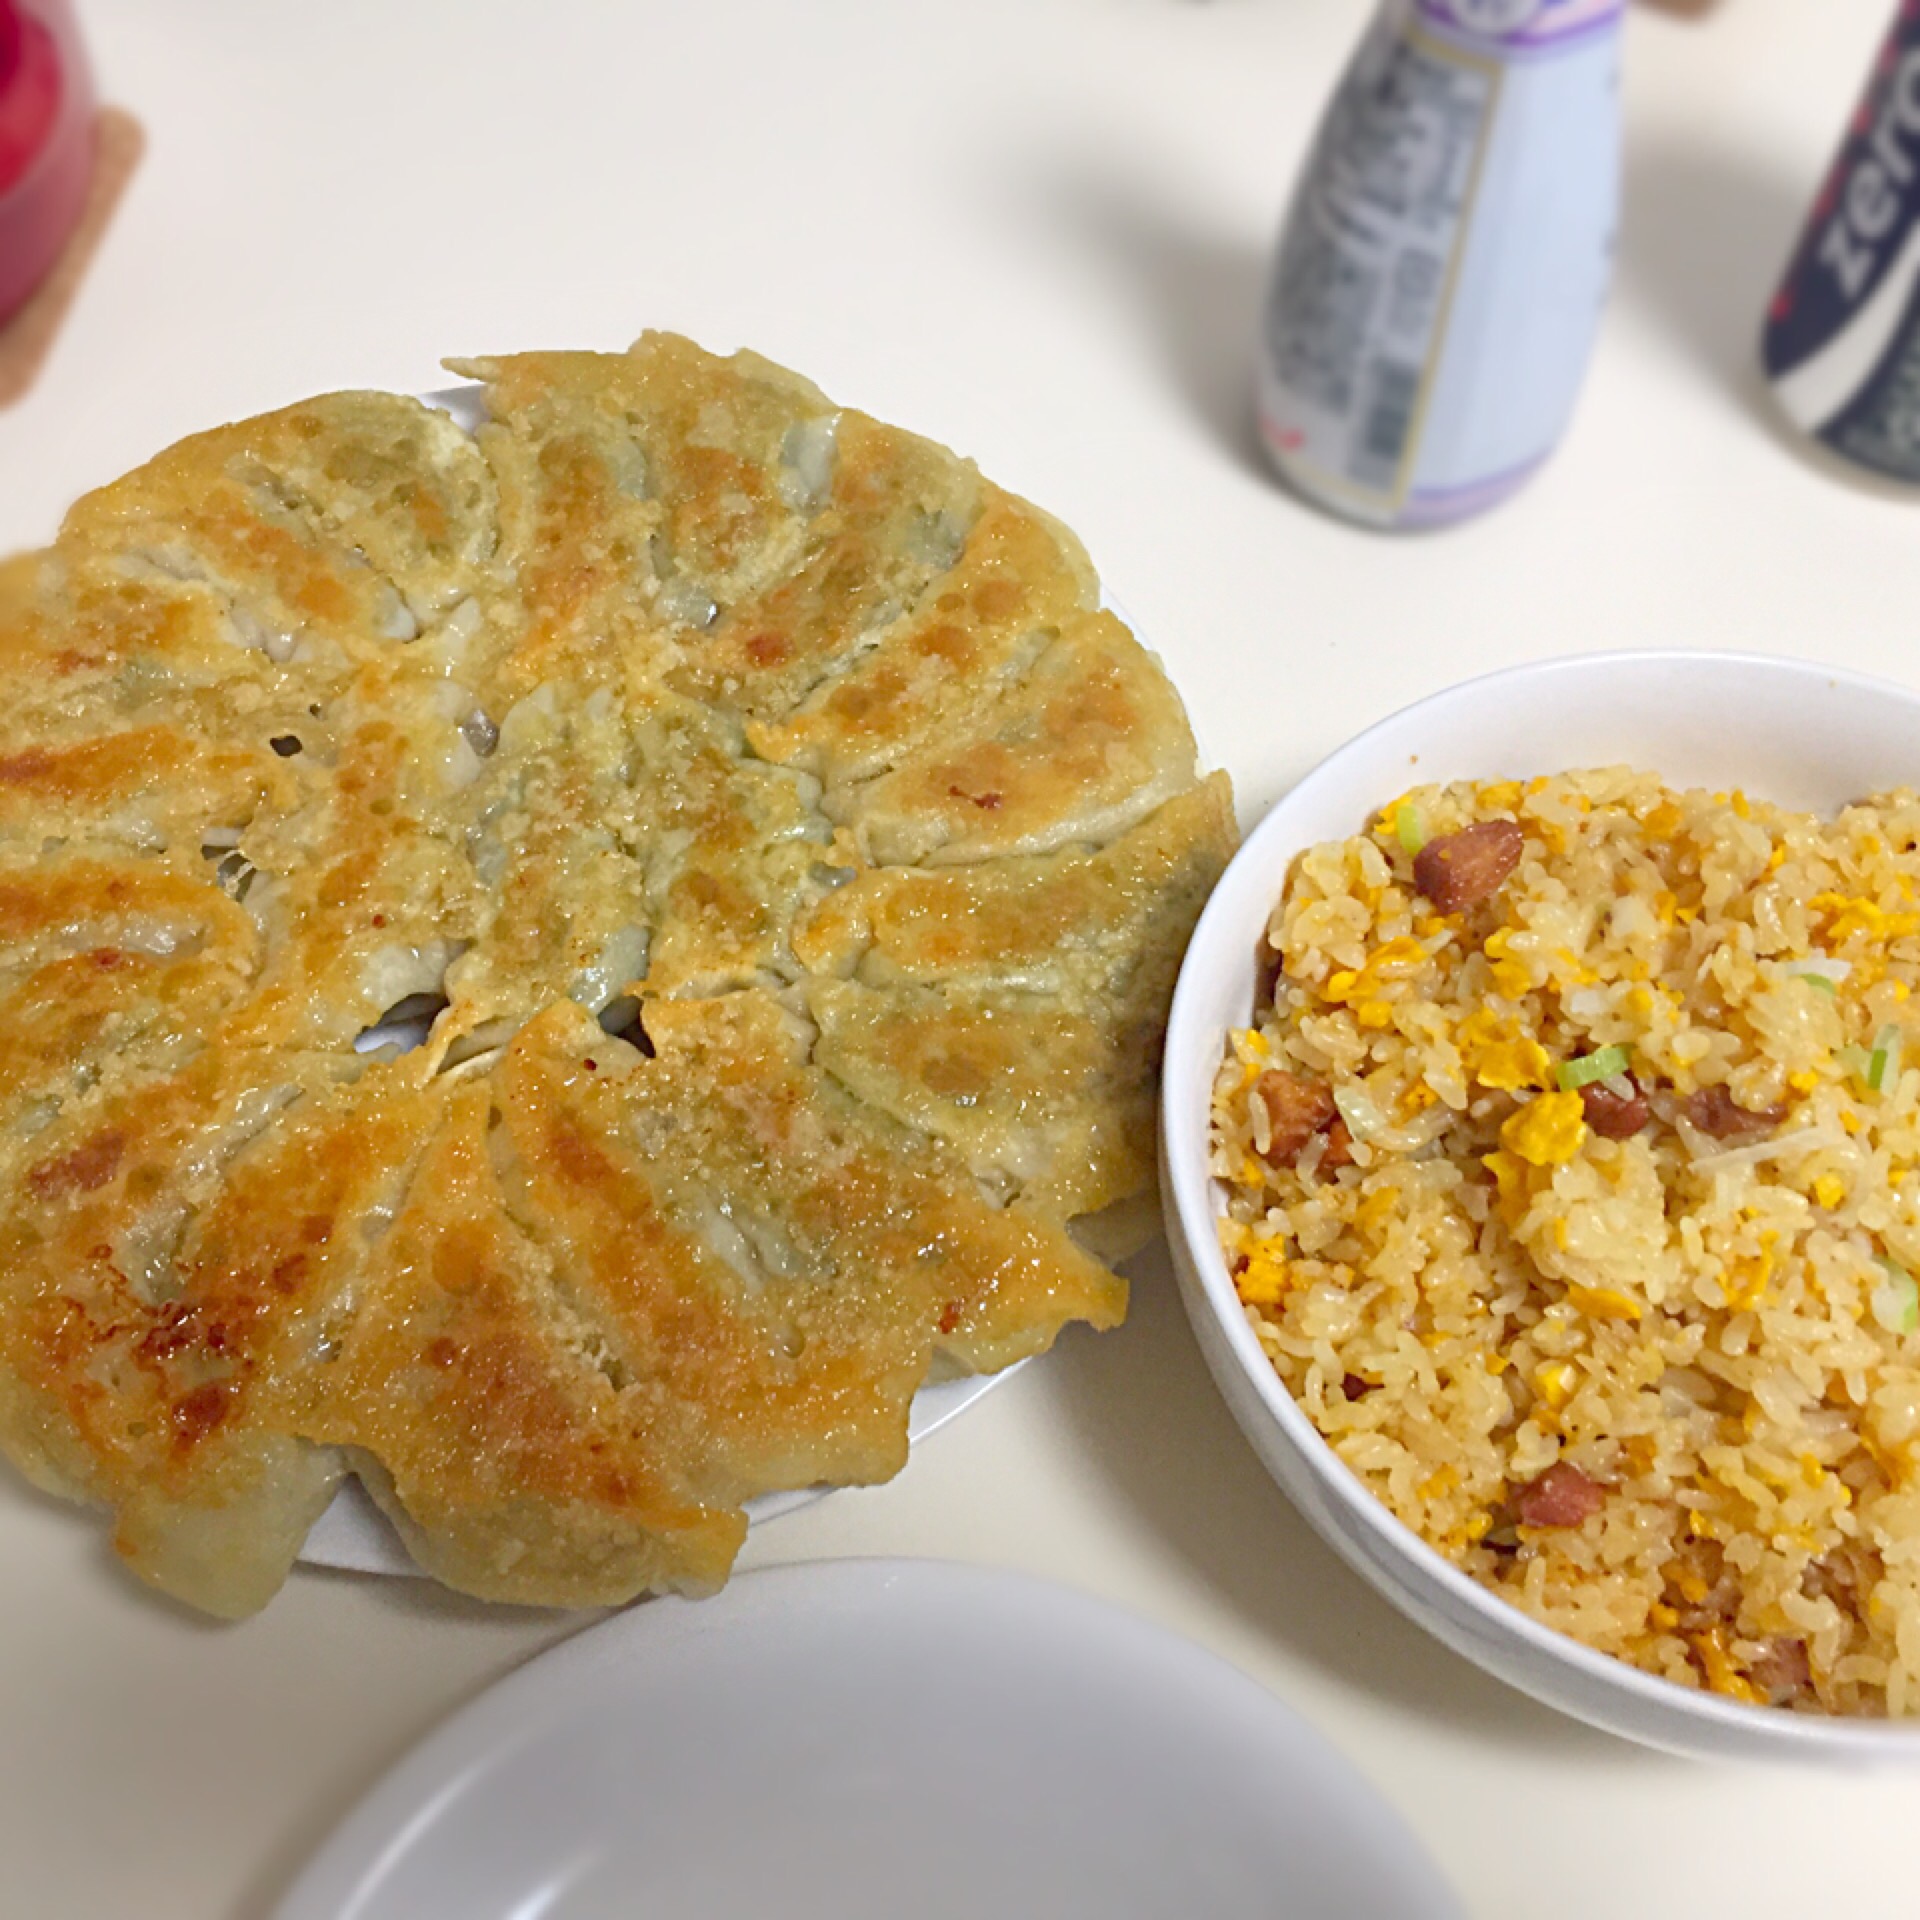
(1788, 731)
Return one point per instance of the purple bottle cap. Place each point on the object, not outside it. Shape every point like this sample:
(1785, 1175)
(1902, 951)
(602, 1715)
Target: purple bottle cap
(1519, 25)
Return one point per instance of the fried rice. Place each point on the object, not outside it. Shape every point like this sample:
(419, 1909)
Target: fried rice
(1581, 1219)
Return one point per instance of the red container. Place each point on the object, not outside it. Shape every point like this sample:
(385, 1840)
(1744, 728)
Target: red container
(46, 141)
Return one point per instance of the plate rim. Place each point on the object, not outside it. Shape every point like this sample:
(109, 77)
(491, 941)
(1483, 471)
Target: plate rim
(397, 1810)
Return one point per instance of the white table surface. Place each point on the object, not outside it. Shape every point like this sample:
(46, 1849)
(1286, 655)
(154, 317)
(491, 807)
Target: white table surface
(1036, 229)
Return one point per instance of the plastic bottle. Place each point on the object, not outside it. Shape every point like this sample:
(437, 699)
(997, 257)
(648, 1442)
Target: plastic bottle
(46, 141)
(1841, 347)
(1441, 272)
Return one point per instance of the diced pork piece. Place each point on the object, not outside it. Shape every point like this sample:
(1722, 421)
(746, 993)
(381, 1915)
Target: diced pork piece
(1297, 1109)
(1715, 1111)
(1459, 870)
(1615, 1116)
(1563, 1496)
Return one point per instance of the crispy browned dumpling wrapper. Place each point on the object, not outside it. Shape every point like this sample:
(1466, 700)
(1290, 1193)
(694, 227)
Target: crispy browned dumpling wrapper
(780, 858)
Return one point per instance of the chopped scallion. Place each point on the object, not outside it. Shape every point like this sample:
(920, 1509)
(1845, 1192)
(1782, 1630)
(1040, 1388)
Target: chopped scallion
(1884, 1066)
(1820, 984)
(1601, 1065)
(1895, 1302)
(1410, 826)
(1856, 1061)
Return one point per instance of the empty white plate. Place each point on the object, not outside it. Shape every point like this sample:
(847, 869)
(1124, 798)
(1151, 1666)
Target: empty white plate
(868, 1740)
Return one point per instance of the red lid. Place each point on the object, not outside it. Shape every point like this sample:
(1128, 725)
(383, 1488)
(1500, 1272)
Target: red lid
(29, 91)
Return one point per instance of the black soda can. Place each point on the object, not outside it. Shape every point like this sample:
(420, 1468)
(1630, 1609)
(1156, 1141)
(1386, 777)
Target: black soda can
(1842, 342)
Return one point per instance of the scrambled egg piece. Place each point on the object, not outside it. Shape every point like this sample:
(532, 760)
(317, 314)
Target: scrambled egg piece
(1363, 988)
(1604, 1303)
(1510, 1177)
(1499, 1055)
(1855, 914)
(1745, 1281)
(1264, 1281)
(1554, 1381)
(1510, 976)
(1548, 1131)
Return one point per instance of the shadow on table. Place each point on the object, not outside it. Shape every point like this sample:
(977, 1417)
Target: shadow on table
(1150, 1414)
(421, 1599)
(316, 1823)
(114, 1571)
(1193, 289)
(1705, 237)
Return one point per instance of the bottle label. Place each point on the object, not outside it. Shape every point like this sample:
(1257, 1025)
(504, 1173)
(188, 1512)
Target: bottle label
(1842, 340)
(1364, 272)
(1441, 273)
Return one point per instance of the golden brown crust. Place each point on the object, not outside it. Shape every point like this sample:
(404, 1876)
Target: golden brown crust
(790, 861)
(1091, 741)
(1018, 579)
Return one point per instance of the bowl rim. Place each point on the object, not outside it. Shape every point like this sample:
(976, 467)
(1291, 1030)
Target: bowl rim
(1190, 1205)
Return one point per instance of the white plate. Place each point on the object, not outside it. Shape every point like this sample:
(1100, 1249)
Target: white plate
(872, 1740)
